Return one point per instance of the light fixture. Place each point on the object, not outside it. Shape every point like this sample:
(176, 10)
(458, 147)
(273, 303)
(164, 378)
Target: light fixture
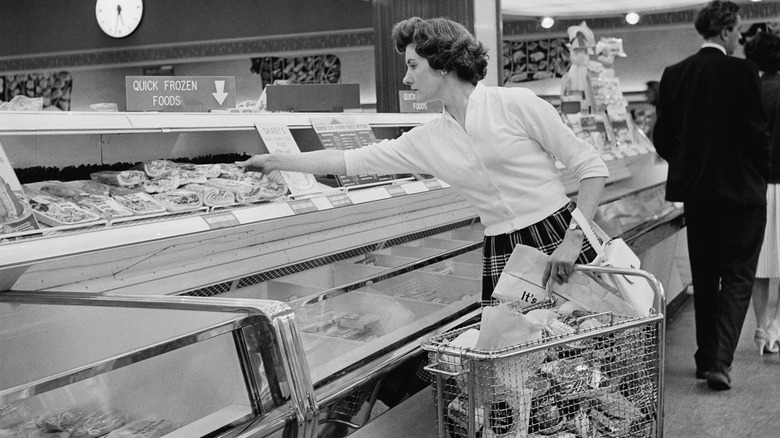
(547, 22)
(632, 18)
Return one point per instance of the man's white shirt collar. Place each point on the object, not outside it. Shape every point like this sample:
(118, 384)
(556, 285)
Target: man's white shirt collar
(716, 46)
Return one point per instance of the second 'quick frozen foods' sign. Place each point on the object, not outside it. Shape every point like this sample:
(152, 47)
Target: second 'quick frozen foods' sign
(180, 93)
(409, 104)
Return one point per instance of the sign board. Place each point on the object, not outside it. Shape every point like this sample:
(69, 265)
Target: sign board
(279, 140)
(343, 136)
(409, 104)
(312, 97)
(180, 93)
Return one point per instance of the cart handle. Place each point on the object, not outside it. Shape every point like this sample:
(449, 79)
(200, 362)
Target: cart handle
(432, 369)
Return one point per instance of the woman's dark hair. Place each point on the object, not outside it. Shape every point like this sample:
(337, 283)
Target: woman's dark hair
(716, 16)
(764, 50)
(446, 45)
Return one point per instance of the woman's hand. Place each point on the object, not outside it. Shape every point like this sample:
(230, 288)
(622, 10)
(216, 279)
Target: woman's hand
(560, 264)
(259, 162)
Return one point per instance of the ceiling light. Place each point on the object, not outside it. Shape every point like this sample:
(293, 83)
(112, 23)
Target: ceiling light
(632, 18)
(547, 22)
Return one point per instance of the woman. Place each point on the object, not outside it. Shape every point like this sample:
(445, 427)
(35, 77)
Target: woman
(764, 50)
(493, 145)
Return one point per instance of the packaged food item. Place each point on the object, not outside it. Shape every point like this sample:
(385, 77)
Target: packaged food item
(191, 177)
(226, 169)
(104, 206)
(61, 190)
(15, 212)
(144, 429)
(159, 168)
(273, 187)
(211, 170)
(244, 193)
(91, 187)
(99, 423)
(139, 203)
(124, 178)
(57, 212)
(12, 415)
(60, 420)
(180, 200)
(162, 184)
(212, 196)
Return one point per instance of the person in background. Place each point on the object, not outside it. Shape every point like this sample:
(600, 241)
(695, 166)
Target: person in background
(711, 128)
(496, 146)
(764, 50)
(649, 115)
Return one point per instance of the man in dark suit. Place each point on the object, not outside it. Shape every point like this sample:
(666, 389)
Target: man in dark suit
(711, 129)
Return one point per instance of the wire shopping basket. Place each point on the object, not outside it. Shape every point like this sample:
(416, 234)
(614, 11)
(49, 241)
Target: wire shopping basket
(604, 378)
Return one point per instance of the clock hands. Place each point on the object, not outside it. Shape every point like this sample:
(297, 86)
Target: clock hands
(119, 15)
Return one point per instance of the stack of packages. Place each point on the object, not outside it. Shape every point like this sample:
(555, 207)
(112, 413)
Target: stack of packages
(153, 187)
(574, 375)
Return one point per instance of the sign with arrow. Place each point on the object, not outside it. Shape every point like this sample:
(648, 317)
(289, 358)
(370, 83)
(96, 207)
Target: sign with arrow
(180, 93)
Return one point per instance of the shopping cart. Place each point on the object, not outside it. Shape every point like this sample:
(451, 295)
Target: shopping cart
(603, 379)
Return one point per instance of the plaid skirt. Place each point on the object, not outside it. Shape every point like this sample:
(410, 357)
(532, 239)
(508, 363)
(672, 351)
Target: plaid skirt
(544, 235)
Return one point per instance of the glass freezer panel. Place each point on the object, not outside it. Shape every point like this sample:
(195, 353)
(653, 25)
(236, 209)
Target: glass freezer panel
(196, 390)
(40, 341)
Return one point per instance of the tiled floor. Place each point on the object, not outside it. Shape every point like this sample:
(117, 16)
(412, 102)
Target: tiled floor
(751, 409)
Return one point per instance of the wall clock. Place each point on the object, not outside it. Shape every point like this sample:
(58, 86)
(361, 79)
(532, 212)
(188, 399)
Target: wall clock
(119, 18)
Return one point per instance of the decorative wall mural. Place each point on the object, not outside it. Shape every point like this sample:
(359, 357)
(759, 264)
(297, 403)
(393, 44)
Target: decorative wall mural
(316, 69)
(53, 88)
(533, 60)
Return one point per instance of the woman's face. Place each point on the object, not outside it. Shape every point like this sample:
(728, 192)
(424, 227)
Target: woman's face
(423, 80)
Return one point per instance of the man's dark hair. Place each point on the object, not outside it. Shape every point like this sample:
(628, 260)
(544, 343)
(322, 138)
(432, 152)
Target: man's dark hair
(715, 17)
(764, 50)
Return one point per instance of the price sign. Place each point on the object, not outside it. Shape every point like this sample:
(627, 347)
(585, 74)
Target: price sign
(304, 206)
(339, 200)
(180, 93)
(278, 139)
(223, 219)
(343, 136)
(408, 103)
(395, 190)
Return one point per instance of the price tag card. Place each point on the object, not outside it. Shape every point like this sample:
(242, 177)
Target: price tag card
(607, 157)
(432, 184)
(367, 195)
(303, 206)
(340, 200)
(222, 219)
(278, 139)
(395, 190)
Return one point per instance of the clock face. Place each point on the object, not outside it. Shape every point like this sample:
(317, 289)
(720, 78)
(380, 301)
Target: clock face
(119, 18)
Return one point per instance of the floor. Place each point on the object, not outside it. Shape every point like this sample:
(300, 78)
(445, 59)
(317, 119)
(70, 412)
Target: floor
(750, 409)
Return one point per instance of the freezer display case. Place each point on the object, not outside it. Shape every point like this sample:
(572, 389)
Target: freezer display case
(368, 272)
(89, 366)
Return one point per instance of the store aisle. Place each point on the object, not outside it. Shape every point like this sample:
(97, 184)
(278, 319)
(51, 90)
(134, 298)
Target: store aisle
(749, 409)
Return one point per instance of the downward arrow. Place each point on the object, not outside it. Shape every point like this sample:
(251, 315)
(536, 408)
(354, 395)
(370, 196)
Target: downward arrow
(220, 95)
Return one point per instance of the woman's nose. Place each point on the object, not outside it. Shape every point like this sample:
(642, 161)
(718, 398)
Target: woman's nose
(407, 79)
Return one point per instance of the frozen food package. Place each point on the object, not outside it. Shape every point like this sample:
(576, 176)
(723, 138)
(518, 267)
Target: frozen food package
(61, 190)
(56, 212)
(212, 196)
(60, 420)
(244, 193)
(162, 184)
(13, 414)
(192, 176)
(211, 170)
(99, 423)
(144, 429)
(139, 203)
(15, 213)
(104, 206)
(124, 178)
(159, 168)
(180, 200)
(91, 187)
(229, 169)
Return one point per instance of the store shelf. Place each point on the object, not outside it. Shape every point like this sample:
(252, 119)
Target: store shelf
(70, 123)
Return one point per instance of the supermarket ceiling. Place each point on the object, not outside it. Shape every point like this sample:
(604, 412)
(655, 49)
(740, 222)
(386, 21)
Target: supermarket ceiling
(592, 8)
